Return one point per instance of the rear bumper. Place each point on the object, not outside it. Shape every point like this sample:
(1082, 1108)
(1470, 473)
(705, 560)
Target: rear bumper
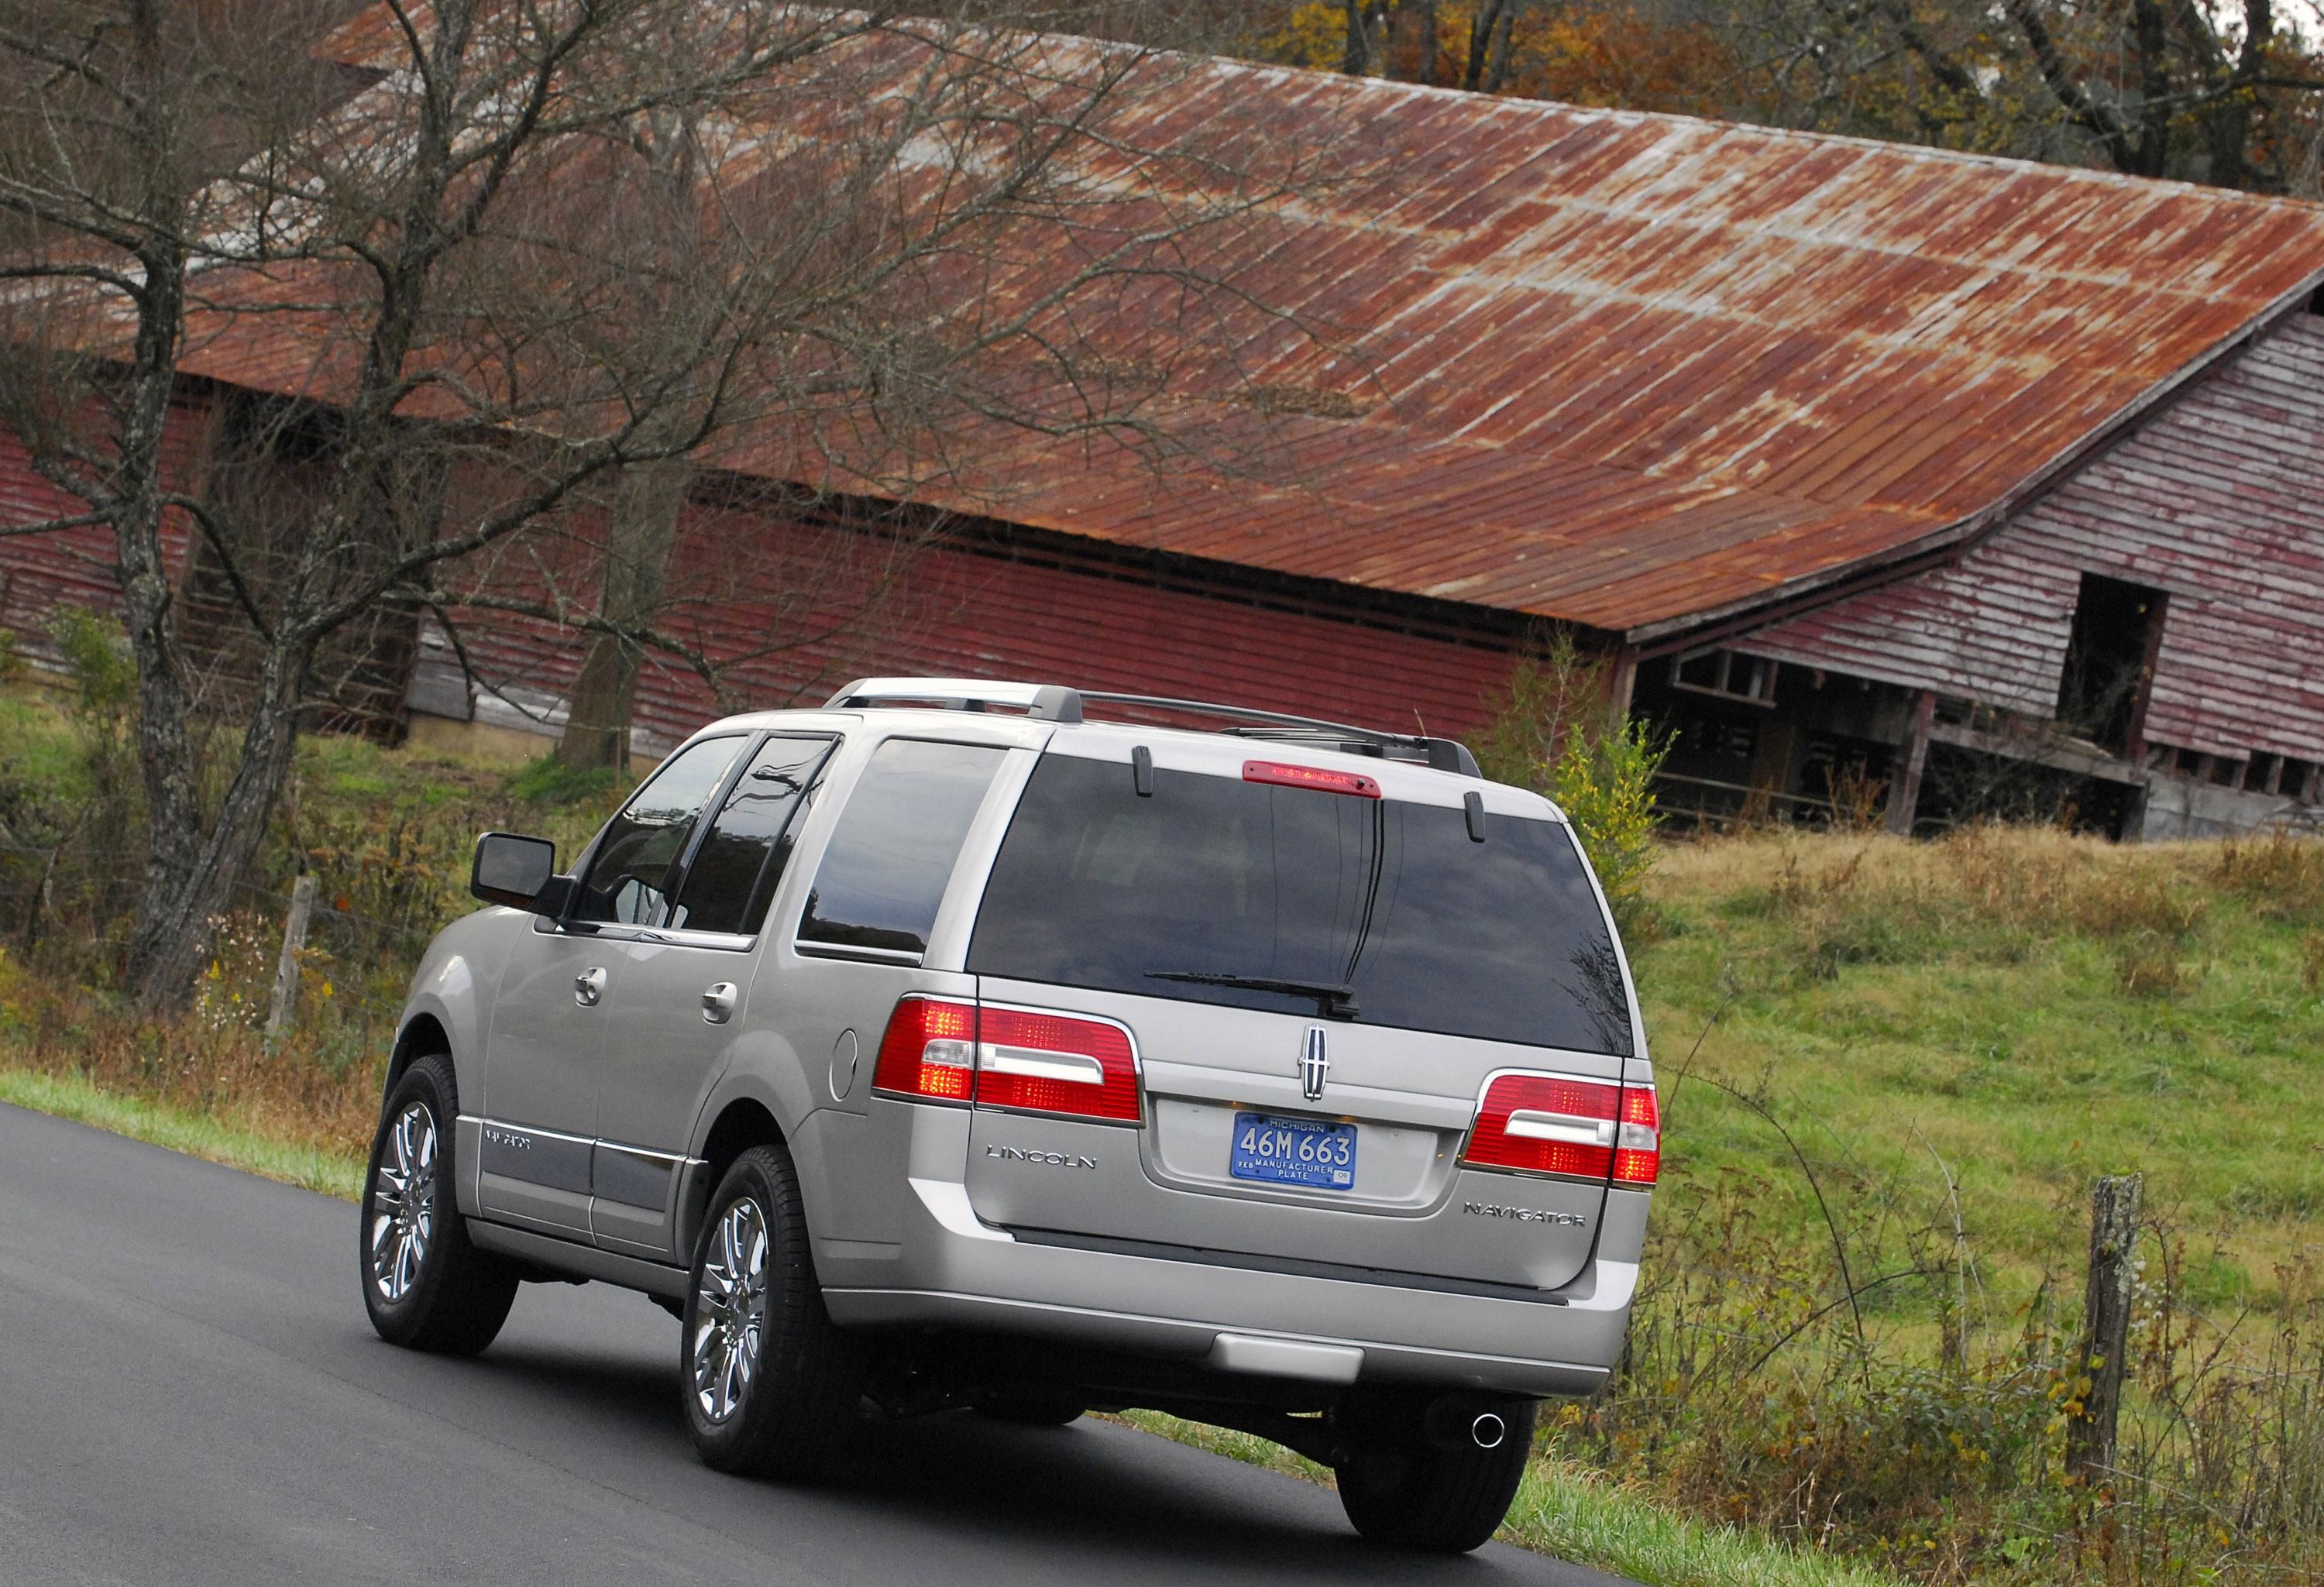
(950, 1269)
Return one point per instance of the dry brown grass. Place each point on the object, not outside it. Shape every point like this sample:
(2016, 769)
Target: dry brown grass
(2281, 874)
(2020, 878)
(319, 1087)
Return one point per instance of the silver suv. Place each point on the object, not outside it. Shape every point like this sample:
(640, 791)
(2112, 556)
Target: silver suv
(944, 1050)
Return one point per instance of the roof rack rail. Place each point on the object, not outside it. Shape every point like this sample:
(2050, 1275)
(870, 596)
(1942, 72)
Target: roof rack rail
(1445, 754)
(1049, 702)
(1043, 702)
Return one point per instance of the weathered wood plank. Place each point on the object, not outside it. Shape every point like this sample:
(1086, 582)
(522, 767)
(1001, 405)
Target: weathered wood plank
(2218, 501)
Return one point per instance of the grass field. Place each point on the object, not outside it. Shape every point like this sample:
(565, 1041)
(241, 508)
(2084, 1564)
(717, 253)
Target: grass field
(1890, 1072)
(2015, 1011)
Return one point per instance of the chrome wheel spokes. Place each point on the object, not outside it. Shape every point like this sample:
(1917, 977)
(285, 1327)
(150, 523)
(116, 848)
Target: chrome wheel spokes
(730, 1311)
(403, 1202)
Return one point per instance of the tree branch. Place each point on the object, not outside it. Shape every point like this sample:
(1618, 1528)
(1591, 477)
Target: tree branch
(2090, 114)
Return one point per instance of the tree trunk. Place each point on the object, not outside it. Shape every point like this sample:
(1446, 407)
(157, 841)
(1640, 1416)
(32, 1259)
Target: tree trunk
(165, 758)
(1489, 46)
(647, 506)
(173, 929)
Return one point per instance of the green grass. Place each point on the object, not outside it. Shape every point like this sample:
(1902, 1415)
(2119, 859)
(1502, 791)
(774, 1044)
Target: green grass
(1963, 1007)
(1580, 1516)
(42, 752)
(197, 1135)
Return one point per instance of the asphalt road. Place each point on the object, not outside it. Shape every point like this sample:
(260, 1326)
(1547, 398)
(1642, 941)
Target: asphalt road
(190, 1393)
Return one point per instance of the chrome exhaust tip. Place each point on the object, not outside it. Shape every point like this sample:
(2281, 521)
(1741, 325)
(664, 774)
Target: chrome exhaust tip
(1488, 1431)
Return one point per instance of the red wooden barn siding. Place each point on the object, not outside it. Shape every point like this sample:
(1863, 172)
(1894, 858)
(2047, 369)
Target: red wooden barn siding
(2218, 500)
(74, 566)
(1201, 633)
(1202, 640)
(973, 613)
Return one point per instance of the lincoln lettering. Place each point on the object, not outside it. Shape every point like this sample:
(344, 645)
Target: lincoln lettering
(1055, 1159)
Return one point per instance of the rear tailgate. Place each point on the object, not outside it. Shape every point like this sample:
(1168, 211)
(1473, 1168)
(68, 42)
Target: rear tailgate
(1215, 1077)
(1193, 915)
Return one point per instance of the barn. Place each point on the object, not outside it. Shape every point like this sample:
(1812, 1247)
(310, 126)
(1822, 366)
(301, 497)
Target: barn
(1862, 464)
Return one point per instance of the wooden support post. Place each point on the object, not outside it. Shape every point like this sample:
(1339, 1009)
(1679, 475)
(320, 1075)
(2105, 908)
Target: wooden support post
(1621, 683)
(2105, 1329)
(285, 1000)
(1905, 787)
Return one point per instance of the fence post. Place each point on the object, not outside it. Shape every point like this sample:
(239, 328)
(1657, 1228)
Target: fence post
(279, 1008)
(2105, 1329)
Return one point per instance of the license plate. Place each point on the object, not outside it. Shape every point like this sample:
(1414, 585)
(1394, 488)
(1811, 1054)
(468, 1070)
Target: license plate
(1311, 1152)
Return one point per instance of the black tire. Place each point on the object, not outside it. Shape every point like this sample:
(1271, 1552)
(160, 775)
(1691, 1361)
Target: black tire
(436, 1292)
(792, 1408)
(1035, 1408)
(1400, 1489)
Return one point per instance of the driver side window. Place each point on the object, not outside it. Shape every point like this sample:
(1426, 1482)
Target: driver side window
(628, 880)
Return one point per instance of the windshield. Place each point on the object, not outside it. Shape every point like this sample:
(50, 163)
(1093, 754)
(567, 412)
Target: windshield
(1300, 901)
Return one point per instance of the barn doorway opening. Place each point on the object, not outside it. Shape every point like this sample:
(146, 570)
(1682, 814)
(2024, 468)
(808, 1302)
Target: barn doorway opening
(2109, 658)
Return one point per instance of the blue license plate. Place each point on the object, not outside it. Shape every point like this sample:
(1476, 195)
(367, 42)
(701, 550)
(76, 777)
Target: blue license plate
(1312, 1152)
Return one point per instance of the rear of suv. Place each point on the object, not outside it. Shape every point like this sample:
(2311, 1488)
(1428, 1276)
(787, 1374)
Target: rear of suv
(946, 1048)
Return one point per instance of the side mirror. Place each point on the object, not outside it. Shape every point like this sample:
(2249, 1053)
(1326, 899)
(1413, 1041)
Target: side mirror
(515, 871)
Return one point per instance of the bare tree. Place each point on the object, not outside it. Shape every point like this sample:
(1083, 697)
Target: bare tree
(498, 260)
(1407, 39)
(2232, 95)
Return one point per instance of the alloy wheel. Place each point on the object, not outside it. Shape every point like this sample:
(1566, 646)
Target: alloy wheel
(730, 1311)
(404, 1202)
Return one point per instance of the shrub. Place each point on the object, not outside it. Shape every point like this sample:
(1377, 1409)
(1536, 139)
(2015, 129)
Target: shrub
(1550, 730)
(103, 712)
(1604, 782)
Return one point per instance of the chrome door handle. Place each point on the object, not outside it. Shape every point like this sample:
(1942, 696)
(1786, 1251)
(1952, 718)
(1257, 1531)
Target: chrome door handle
(588, 987)
(718, 1004)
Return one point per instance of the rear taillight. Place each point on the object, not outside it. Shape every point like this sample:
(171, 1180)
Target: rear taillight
(1573, 1127)
(929, 1050)
(1638, 1148)
(1055, 1064)
(939, 1049)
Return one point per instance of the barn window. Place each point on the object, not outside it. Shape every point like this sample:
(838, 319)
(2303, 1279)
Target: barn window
(1727, 675)
(2109, 658)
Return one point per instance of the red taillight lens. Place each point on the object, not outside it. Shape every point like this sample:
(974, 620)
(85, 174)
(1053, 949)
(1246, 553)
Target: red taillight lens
(1638, 1146)
(929, 1050)
(1578, 1129)
(1055, 1064)
(1285, 775)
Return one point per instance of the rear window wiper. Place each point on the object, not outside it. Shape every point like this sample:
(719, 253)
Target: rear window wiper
(1334, 999)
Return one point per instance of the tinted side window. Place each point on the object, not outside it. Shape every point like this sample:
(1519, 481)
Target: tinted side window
(741, 860)
(884, 873)
(628, 881)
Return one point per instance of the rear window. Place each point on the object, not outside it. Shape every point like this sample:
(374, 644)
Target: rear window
(1222, 880)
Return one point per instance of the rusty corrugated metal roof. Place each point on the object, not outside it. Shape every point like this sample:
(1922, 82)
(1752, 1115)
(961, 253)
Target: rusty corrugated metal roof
(1628, 370)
